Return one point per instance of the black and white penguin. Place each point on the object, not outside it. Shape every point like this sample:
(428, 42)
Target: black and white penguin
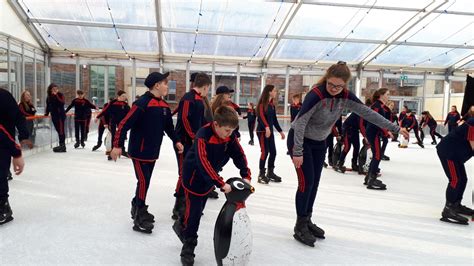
(232, 232)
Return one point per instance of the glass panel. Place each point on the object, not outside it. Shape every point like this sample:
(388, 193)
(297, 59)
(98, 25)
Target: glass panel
(233, 16)
(40, 84)
(469, 65)
(64, 75)
(442, 28)
(312, 50)
(391, 3)
(249, 89)
(182, 43)
(434, 87)
(3, 69)
(459, 5)
(113, 80)
(141, 12)
(97, 84)
(30, 78)
(331, 21)
(77, 37)
(15, 75)
(409, 55)
(397, 87)
(458, 86)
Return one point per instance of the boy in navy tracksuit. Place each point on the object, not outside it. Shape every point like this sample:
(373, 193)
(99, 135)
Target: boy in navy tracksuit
(410, 122)
(267, 119)
(116, 112)
(251, 118)
(191, 117)
(295, 107)
(82, 108)
(350, 135)
(452, 118)
(149, 119)
(429, 121)
(10, 118)
(214, 144)
(103, 121)
(55, 106)
(454, 150)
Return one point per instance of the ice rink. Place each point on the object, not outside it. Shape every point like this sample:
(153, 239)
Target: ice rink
(74, 208)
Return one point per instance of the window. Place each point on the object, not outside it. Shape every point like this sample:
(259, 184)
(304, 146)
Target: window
(97, 82)
(434, 87)
(457, 86)
(171, 97)
(249, 90)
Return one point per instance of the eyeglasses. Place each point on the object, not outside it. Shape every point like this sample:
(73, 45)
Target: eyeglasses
(334, 86)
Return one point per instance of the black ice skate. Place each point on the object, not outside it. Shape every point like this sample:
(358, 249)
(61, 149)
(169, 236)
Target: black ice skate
(213, 195)
(325, 165)
(76, 145)
(9, 176)
(302, 232)
(374, 183)
(178, 230)
(140, 224)
(262, 178)
(251, 142)
(271, 176)
(354, 166)
(340, 167)
(385, 158)
(83, 144)
(187, 252)
(5, 212)
(317, 231)
(148, 216)
(96, 147)
(60, 148)
(450, 215)
(463, 210)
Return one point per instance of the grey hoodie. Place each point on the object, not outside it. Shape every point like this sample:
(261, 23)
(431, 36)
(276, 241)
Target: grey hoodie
(320, 111)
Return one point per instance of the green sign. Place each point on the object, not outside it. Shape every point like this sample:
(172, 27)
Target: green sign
(403, 77)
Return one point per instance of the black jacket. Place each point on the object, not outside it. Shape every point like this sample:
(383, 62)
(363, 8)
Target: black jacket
(82, 109)
(11, 116)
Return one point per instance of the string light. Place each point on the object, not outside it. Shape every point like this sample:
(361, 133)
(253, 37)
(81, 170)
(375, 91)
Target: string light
(196, 32)
(56, 42)
(441, 54)
(117, 33)
(266, 35)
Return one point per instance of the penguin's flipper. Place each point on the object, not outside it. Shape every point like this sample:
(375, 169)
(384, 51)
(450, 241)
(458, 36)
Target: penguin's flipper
(223, 230)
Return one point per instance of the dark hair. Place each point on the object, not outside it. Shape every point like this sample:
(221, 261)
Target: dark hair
(265, 97)
(455, 107)
(427, 113)
(297, 96)
(252, 105)
(339, 70)
(201, 80)
(368, 102)
(50, 88)
(226, 117)
(378, 93)
(120, 92)
(79, 92)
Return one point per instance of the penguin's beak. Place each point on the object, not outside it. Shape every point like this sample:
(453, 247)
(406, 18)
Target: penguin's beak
(252, 189)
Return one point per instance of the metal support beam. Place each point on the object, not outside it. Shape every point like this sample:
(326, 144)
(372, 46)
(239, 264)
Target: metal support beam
(78, 74)
(213, 80)
(390, 8)
(459, 64)
(380, 78)
(22, 79)
(134, 79)
(9, 85)
(417, 18)
(188, 76)
(358, 82)
(446, 96)
(287, 90)
(35, 83)
(423, 104)
(237, 86)
(15, 5)
(281, 31)
(159, 27)
(106, 84)
(263, 82)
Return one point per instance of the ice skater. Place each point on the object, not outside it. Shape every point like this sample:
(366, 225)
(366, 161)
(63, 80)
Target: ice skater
(82, 109)
(251, 118)
(55, 107)
(452, 118)
(321, 108)
(432, 124)
(148, 120)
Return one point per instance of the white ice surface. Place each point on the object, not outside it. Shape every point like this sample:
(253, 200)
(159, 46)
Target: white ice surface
(74, 208)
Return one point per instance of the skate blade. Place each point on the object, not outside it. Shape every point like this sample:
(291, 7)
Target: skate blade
(452, 221)
(311, 244)
(141, 230)
(376, 188)
(9, 219)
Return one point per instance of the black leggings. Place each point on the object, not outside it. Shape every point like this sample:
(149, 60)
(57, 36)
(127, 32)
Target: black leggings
(456, 173)
(80, 130)
(267, 147)
(251, 125)
(58, 123)
(5, 161)
(351, 138)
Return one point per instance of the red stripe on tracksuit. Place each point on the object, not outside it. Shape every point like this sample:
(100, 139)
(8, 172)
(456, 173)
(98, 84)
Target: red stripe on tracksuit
(141, 180)
(10, 138)
(377, 148)
(122, 123)
(184, 117)
(346, 143)
(180, 172)
(186, 212)
(262, 115)
(262, 145)
(454, 176)
(301, 182)
(207, 166)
